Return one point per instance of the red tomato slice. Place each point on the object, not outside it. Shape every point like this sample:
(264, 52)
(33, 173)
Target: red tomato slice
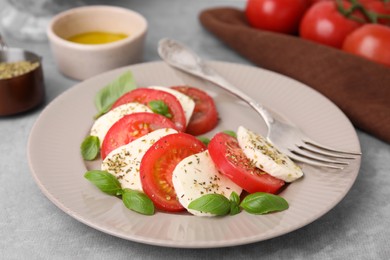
(232, 162)
(158, 164)
(131, 127)
(205, 116)
(145, 95)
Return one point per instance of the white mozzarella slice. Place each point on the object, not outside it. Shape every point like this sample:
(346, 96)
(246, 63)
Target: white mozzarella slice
(124, 162)
(196, 176)
(186, 102)
(104, 123)
(267, 157)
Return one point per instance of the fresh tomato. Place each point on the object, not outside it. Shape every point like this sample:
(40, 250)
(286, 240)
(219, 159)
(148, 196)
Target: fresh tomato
(205, 116)
(377, 11)
(131, 127)
(371, 41)
(158, 164)
(276, 15)
(323, 23)
(145, 95)
(232, 162)
(312, 2)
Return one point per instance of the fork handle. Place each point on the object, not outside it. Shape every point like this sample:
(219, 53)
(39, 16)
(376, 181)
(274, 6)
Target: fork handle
(205, 72)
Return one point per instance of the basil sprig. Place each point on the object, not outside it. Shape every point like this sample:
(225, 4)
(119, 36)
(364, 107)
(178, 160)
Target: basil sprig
(105, 181)
(256, 203)
(90, 148)
(207, 140)
(234, 203)
(263, 203)
(231, 133)
(216, 204)
(204, 140)
(159, 107)
(109, 184)
(137, 201)
(106, 97)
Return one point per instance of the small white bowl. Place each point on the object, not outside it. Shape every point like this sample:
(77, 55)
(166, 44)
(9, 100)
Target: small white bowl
(81, 61)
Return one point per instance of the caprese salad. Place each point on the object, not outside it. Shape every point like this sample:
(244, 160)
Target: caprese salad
(151, 154)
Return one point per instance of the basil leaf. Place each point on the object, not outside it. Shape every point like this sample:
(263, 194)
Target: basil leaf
(234, 203)
(231, 133)
(234, 198)
(105, 181)
(262, 203)
(159, 107)
(234, 209)
(90, 148)
(216, 204)
(106, 97)
(138, 202)
(204, 140)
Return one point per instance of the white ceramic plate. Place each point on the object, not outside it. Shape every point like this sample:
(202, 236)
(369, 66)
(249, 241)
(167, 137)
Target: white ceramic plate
(58, 168)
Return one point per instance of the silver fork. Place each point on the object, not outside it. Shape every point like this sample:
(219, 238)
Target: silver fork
(287, 138)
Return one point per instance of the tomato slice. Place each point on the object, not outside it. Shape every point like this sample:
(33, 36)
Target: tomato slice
(232, 162)
(205, 116)
(131, 127)
(145, 95)
(158, 164)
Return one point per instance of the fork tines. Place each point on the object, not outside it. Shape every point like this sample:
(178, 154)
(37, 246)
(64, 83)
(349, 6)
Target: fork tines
(315, 154)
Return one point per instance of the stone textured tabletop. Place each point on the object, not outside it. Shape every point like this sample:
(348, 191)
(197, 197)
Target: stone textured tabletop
(31, 227)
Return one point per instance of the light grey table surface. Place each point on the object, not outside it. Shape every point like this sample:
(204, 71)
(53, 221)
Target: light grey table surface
(31, 227)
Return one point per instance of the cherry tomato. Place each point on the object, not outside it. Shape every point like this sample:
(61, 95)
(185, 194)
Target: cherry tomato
(371, 41)
(232, 162)
(158, 164)
(323, 23)
(131, 127)
(276, 15)
(205, 116)
(312, 2)
(379, 8)
(145, 95)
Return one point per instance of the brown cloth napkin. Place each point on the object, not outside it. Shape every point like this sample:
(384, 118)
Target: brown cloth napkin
(360, 88)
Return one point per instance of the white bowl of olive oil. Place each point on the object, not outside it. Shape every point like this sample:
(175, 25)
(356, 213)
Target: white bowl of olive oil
(89, 40)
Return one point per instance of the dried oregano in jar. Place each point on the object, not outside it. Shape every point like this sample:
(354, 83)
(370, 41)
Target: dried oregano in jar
(13, 69)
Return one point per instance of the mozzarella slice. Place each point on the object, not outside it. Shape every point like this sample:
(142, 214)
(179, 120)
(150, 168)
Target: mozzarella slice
(104, 123)
(196, 176)
(186, 102)
(124, 162)
(267, 157)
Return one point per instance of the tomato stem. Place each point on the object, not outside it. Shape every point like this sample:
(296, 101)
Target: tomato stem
(348, 13)
(356, 5)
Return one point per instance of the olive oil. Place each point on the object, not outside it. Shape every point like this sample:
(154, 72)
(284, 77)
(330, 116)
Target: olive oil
(97, 37)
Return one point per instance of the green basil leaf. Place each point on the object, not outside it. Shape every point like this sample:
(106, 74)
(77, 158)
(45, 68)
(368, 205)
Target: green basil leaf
(234, 203)
(105, 181)
(216, 204)
(262, 203)
(204, 140)
(90, 148)
(138, 202)
(159, 107)
(234, 198)
(231, 133)
(106, 97)
(234, 209)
